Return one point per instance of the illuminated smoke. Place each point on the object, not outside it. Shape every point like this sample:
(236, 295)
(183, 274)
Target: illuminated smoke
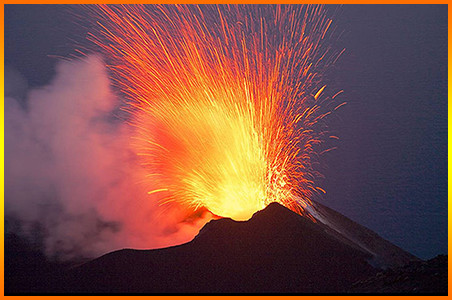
(70, 175)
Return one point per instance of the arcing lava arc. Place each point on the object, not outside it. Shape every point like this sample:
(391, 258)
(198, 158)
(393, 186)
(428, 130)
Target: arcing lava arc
(225, 99)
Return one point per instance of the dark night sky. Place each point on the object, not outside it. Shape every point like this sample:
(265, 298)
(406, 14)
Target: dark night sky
(390, 171)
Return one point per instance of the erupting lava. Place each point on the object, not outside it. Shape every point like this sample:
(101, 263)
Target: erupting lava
(224, 98)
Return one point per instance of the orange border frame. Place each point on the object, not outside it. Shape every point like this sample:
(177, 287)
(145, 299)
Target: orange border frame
(2, 87)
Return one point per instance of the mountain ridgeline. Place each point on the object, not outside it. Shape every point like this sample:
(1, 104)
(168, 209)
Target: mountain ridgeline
(276, 251)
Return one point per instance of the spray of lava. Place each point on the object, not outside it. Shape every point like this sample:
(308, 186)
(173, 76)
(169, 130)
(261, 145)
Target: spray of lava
(224, 98)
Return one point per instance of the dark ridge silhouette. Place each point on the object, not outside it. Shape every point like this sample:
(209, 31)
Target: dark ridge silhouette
(276, 251)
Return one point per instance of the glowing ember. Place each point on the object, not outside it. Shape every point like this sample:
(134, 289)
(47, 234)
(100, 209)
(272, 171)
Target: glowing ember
(224, 100)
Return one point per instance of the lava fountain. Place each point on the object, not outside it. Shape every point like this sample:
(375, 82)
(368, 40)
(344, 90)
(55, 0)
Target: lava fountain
(225, 100)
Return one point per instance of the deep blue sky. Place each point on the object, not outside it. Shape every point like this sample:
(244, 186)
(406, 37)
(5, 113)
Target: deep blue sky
(390, 170)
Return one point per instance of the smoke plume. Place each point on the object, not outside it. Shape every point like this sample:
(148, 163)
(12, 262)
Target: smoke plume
(69, 170)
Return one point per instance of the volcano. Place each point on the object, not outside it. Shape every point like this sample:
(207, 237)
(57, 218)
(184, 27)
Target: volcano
(276, 251)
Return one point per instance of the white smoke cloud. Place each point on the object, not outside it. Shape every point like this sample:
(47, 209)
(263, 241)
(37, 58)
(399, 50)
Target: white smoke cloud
(69, 169)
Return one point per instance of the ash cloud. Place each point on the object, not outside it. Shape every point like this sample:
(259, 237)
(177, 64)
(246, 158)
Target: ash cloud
(69, 170)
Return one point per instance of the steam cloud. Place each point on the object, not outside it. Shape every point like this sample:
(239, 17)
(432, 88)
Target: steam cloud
(70, 173)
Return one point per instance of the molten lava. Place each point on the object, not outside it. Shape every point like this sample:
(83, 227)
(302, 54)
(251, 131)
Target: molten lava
(225, 100)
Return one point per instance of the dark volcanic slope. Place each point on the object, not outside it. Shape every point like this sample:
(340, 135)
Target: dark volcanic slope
(275, 251)
(384, 254)
(417, 277)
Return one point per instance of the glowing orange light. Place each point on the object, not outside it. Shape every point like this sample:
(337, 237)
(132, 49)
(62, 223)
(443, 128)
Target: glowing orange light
(224, 99)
